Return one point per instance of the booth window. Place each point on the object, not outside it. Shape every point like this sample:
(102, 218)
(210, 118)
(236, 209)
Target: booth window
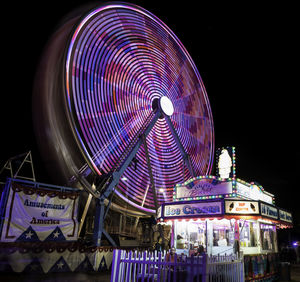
(248, 234)
(190, 234)
(223, 233)
(267, 235)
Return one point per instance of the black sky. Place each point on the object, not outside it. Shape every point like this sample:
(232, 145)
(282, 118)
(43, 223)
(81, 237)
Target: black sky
(246, 55)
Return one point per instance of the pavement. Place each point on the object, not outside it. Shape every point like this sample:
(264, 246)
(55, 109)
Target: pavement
(93, 277)
(295, 273)
(56, 277)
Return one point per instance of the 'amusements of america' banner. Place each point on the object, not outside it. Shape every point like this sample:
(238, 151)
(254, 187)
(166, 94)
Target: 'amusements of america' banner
(35, 214)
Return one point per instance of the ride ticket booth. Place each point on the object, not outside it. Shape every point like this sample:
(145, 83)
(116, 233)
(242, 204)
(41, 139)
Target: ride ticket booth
(225, 216)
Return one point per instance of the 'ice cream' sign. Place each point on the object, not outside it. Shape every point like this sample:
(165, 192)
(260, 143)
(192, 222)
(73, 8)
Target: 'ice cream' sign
(193, 209)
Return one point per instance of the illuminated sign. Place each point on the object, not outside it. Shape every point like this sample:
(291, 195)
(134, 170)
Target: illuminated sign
(193, 209)
(253, 192)
(241, 207)
(285, 216)
(225, 161)
(268, 211)
(203, 187)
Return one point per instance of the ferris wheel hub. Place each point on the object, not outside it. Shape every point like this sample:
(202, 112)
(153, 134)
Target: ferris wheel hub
(166, 105)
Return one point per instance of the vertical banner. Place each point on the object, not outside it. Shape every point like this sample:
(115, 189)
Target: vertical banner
(35, 214)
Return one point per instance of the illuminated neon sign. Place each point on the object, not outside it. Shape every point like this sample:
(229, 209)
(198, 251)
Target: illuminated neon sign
(202, 187)
(268, 211)
(241, 207)
(253, 191)
(193, 209)
(285, 216)
(225, 160)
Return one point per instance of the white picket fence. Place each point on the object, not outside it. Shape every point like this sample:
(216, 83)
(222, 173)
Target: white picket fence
(133, 266)
(225, 268)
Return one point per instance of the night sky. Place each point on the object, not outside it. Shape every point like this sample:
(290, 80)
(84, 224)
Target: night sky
(246, 56)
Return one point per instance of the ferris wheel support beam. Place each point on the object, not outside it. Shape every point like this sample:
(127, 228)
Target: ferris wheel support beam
(100, 207)
(150, 173)
(101, 212)
(119, 171)
(185, 155)
(116, 175)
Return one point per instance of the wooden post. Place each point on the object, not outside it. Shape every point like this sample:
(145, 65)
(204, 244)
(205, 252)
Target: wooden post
(175, 267)
(115, 265)
(164, 267)
(122, 265)
(148, 265)
(204, 267)
(192, 268)
(134, 266)
(169, 269)
(143, 266)
(128, 267)
(139, 264)
(154, 262)
(159, 266)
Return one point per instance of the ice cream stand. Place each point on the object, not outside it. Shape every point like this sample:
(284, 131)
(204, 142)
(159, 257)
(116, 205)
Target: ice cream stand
(216, 213)
(225, 215)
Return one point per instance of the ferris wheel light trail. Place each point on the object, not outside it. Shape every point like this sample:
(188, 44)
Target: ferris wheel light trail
(118, 87)
(121, 59)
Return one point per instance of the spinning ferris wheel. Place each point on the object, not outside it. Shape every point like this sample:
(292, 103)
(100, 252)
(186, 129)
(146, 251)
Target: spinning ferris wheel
(123, 108)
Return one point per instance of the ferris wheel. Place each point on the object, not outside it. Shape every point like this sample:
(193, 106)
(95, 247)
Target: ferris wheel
(123, 107)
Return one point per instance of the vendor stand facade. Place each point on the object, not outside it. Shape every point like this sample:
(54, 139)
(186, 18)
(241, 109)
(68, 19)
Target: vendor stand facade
(224, 216)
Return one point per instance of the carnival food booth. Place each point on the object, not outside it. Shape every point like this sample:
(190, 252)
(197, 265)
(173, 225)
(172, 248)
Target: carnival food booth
(225, 216)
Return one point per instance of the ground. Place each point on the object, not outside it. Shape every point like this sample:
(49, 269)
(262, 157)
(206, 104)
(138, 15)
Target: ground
(93, 277)
(295, 272)
(57, 277)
